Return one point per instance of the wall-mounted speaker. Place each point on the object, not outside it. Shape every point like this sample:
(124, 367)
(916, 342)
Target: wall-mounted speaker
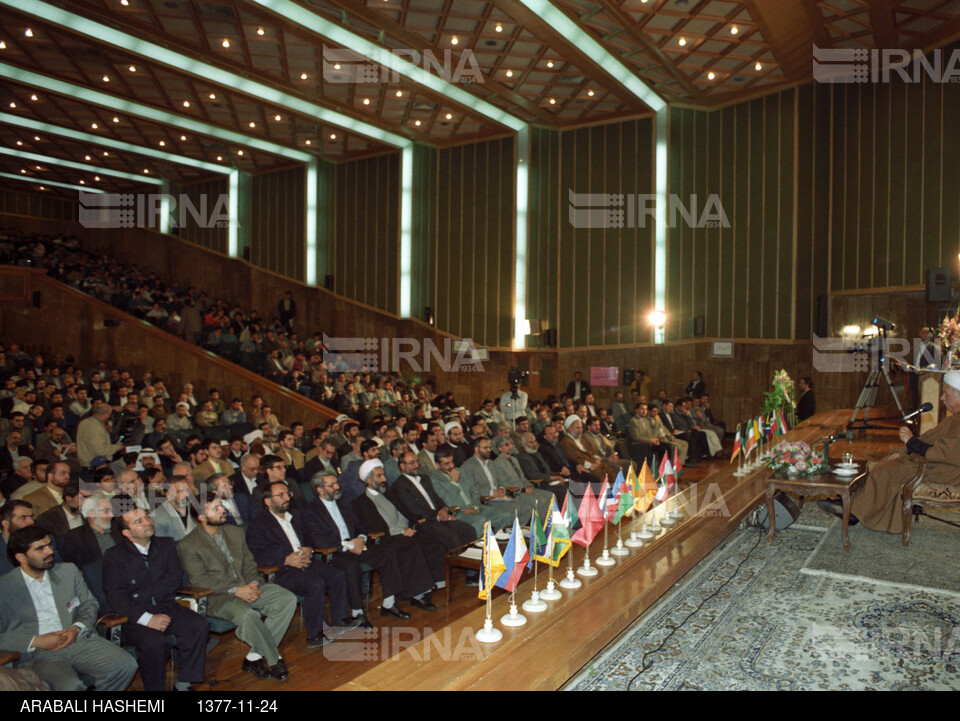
(428, 315)
(938, 285)
(328, 282)
(629, 376)
(549, 337)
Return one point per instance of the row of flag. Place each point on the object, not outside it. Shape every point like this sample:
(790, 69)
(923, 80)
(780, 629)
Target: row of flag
(756, 430)
(550, 539)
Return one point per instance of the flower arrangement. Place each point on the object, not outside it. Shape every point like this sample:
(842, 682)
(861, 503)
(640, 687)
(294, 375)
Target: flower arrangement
(950, 336)
(782, 397)
(797, 457)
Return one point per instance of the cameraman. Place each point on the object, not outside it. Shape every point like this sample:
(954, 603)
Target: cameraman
(513, 403)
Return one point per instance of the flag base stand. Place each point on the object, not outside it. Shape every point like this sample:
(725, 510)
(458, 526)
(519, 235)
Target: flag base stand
(645, 535)
(654, 528)
(550, 593)
(744, 471)
(619, 549)
(586, 569)
(667, 521)
(489, 634)
(636, 540)
(513, 618)
(605, 559)
(571, 581)
(676, 515)
(534, 604)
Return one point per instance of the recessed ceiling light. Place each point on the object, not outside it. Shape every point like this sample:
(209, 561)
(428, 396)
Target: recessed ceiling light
(219, 157)
(449, 116)
(239, 152)
(87, 157)
(116, 119)
(333, 136)
(454, 40)
(38, 167)
(417, 123)
(97, 178)
(183, 137)
(132, 68)
(3, 45)
(758, 67)
(308, 142)
(37, 138)
(106, 154)
(186, 103)
(499, 28)
(259, 31)
(549, 63)
(253, 124)
(303, 76)
(125, 2)
(399, 93)
(682, 42)
(163, 143)
(213, 96)
(105, 78)
(28, 32)
(13, 105)
(590, 93)
(20, 143)
(734, 29)
(82, 182)
(34, 97)
(552, 101)
(366, 101)
(278, 118)
(42, 188)
(509, 73)
(94, 126)
(225, 43)
(710, 76)
(147, 171)
(336, 66)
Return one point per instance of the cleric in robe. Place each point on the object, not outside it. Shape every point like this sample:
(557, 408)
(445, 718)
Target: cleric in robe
(878, 505)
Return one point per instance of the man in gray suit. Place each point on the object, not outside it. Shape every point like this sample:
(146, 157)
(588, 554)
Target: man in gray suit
(172, 517)
(447, 483)
(507, 467)
(48, 615)
(215, 555)
(480, 478)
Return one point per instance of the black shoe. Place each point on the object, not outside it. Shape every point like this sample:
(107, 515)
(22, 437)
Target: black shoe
(318, 641)
(835, 508)
(364, 622)
(424, 604)
(258, 668)
(473, 579)
(279, 671)
(394, 611)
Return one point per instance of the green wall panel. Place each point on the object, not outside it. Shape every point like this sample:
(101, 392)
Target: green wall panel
(213, 238)
(423, 269)
(278, 222)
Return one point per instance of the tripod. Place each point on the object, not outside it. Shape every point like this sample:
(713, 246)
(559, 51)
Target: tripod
(868, 395)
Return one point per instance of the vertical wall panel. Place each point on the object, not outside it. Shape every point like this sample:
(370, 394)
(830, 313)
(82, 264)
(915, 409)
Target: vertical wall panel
(367, 231)
(278, 222)
(547, 209)
(37, 204)
(475, 201)
(205, 194)
(423, 269)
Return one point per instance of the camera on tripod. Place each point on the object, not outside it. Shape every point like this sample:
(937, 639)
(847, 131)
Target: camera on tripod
(517, 377)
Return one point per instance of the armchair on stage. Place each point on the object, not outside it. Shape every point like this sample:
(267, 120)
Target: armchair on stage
(917, 496)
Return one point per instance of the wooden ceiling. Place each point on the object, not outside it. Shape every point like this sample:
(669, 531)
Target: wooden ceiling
(697, 53)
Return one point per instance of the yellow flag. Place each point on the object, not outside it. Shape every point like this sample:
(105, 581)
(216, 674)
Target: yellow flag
(493, 564)
(646, 490)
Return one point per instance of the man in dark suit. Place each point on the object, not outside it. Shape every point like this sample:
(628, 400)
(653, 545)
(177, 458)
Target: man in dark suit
(61, 519)
(330, 521)
(58, 649)
(377, 514)
(578, 388)
(238, 508)
(141, 575)
(558, 461)
(696, 387)
(277, 537)
(90, 541)
(807, 405)
(12, 449)
(676, 424)
(414, 495)
(246, 480)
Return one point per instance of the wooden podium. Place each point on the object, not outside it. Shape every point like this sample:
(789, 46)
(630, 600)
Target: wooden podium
(930, 386)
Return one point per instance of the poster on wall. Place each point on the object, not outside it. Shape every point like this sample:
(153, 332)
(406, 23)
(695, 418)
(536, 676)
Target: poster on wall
(604, 375)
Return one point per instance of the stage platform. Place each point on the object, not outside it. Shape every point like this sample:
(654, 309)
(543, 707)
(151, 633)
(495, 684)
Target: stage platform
(556, 644)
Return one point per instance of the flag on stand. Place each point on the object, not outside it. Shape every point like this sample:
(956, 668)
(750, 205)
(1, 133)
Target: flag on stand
(613, 498)
(751, 442)
(570, 514)
(624, 499)
(784, 426)
(590, 519)
(558, 536)
(677, 465)
(646, 490)
(538, 538)
(515, 557)
(491, 560)
(737, 447)
(668, 481)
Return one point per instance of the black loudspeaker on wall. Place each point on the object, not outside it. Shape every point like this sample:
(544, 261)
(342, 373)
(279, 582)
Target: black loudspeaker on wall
(36, 299)
(820, 322)
(428, 317)
(629, 376)
(938, 285)
(549, 337)
(328, 282)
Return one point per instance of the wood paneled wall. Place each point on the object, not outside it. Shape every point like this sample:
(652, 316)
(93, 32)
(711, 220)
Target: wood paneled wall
(205, 195)
(546, 216)
(278, 221)
(424, 268)
(37, 204)
(475, 241)
(367, 231)
(605, 282)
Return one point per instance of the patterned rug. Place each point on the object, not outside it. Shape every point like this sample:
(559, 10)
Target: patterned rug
(774, 628)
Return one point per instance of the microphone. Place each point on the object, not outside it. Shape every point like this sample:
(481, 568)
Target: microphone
(922, 409)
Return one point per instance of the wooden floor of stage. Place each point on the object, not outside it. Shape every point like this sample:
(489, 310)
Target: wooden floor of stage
(552, 646)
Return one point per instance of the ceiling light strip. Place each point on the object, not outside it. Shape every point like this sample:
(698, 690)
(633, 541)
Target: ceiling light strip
(56, 183)
(93, 169)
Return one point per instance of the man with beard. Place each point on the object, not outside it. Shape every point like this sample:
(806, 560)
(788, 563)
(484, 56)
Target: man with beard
(330, 521)
(278, 538)
(413, 494)
(454, 433)
(447, 483)
(580, 454)
(36, 601)
(141, 575)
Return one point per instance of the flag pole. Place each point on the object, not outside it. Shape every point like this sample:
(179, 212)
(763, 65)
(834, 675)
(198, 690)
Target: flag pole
(571, 581)
(550, 593)
(488, 634)
(619, 549)
(534, 604)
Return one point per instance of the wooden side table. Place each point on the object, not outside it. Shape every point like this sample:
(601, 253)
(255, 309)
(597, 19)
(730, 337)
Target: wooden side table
(825, 484)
